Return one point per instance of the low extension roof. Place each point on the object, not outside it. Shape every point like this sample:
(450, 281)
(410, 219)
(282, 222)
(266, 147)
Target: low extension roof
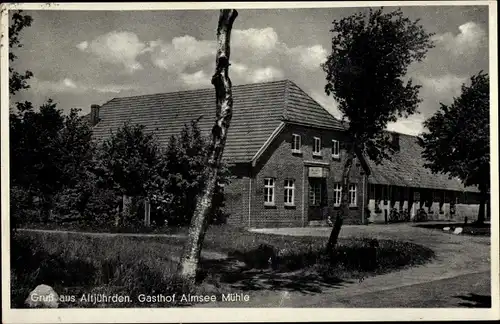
(259, 109)
(406, 168)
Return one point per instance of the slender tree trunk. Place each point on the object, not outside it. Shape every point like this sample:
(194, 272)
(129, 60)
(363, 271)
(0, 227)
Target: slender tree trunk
(224, 105)
(483, 199)
(344, 202)
(119, 212)
(45, 209)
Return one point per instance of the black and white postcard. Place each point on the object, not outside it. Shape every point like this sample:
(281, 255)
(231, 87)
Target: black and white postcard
(281, 161)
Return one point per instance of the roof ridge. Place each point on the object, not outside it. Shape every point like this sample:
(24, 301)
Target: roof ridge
(314, 100)
(200, 89)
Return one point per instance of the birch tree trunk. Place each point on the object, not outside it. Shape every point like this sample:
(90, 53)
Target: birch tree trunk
(344, 203)
(224, 105)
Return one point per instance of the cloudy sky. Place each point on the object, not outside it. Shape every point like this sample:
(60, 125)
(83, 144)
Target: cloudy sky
(81, 58)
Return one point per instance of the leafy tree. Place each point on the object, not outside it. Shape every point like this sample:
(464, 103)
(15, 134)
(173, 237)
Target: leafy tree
(19, 21)
(128, 163)
(365, 74)
(77, 148)
(182, 175)
(50, 152)
(20, 200)
(458, 142)
(77, 163)
(35, 152)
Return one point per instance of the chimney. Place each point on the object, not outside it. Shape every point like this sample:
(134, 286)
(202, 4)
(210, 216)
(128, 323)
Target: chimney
(94, 114)
(395, 141)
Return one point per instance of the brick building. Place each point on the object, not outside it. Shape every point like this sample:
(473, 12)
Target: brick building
(287, 152)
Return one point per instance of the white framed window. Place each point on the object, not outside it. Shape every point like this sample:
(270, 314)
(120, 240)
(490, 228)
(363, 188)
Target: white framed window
(317, 146)
(269, 191)
(289, 192)
(353, 199)
(337, 194)
(315, 194)
(335, 149)
(296, 143)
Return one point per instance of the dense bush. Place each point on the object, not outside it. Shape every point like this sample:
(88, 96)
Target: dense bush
(95, 206)
(22, 207)
(181, 177)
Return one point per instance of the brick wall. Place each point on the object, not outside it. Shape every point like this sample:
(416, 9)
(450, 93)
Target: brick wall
(278, 162)
(236, 196)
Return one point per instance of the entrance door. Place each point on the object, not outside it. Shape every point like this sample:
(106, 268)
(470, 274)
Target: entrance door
(317, 199)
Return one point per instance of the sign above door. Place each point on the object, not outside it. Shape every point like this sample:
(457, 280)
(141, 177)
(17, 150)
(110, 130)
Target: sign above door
(317, 172)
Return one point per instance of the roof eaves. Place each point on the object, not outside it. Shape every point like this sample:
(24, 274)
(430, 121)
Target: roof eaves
(314, 126)
(268, 142)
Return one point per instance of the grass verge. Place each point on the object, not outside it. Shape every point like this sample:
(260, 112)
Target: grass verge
(76, 264)
(103, 228)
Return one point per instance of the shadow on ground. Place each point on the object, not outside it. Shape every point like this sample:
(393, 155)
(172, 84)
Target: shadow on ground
(235, 274)
(475, 301)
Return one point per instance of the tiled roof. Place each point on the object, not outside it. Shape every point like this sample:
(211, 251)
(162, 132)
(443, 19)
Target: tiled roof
(406, 168)
(258, 110)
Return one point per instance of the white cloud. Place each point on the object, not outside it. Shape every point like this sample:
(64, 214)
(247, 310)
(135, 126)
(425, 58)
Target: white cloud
(64, 85)
(68, 85)
(82, 46)
(466, 42)
(180, 53)
(112, 88)
(197, 79)
(117, 47)
(264, 55)
(268, 73)
(238, 69)
(248, 74)
(448, 84)
(327, 102)
(412, 125)
(309, 58)
(253, 45)
(260, 41)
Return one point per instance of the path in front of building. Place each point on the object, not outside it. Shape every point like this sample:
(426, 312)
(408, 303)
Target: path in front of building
(459, 275)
